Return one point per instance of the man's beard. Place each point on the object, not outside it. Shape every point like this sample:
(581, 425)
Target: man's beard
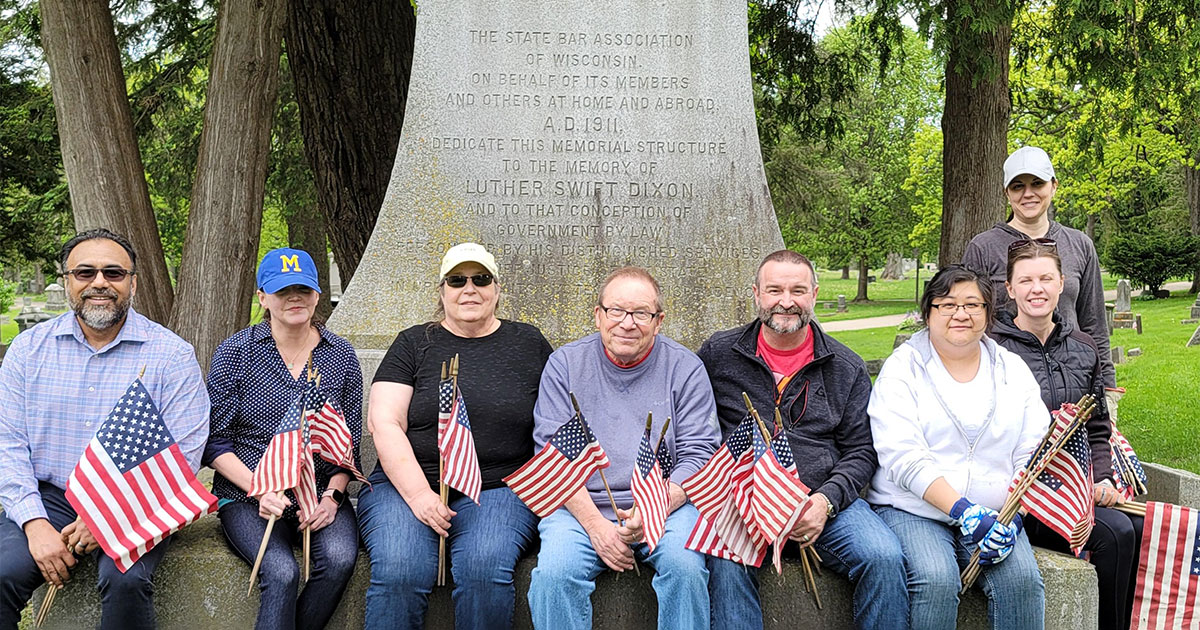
(96, 316)
(803, 317)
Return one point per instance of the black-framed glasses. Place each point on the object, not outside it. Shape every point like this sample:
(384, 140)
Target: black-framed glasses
(949, 309)
(479, 280)
(619, 315)
(87, 274)
(1026, 242)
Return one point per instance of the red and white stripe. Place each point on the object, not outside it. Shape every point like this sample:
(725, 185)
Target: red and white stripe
(652, 497)
(457, 446)
(726, 537)
(776, 498)
(545, 482)
(129, 513)
(279, 468)
(1070, 510)
(1167, 593)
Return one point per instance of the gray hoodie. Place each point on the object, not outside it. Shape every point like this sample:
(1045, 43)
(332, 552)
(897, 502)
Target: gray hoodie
(1082, 301)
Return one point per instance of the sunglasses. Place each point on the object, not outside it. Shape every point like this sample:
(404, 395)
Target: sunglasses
(1028, 242)
(479, 280)
(87, 274)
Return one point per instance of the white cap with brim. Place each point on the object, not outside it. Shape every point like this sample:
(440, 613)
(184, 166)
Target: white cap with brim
(468, 252)
(1028, 160)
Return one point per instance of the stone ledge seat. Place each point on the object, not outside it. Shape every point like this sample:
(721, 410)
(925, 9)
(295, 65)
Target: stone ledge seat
(201, 584)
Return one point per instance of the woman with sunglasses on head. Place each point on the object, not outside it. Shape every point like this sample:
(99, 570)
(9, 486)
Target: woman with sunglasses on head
(402, 517)
(1066, 364)
(953, 417)
(1029, 186)
(256, 376)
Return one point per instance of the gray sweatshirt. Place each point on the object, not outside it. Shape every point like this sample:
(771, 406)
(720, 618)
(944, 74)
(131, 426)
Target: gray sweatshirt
(1082, 301)
(670, 382)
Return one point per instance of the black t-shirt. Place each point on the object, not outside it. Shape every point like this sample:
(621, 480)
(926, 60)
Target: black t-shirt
(498, 376)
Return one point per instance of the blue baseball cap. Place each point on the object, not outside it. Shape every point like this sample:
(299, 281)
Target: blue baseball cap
(284, 267)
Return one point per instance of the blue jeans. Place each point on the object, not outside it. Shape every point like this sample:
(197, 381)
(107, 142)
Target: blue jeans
(484, 545)
(855, 544)
(561, 586)
(937, 553)
(126, 599)
(334, 551)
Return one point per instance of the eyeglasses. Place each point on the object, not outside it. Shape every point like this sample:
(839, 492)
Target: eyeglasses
(479, 280)
(619, 315)
(1028, 242)
(87, 274)
(950, 309)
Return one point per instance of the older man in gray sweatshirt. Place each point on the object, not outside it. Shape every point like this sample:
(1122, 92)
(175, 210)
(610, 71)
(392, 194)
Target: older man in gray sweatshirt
(618, 375)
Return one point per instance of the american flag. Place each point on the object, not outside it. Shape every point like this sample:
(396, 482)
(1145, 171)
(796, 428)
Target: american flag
(132, 487)
(1128, 475)
(287, 463)
(457, 443)
(1061, 497)
(650, 492)
(777, 494)
(783, 452)
(331, 439)
(721, 493)
(563, 465)
(1168, 582)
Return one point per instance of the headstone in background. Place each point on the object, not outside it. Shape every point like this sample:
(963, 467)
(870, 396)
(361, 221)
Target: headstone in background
(1108, 317)
(900, 339)
(1135, 352)
(1118, 355)
(1196, 307)
(26, 303)
(56, 297)
(841, 303)
(1123, 310)
(335, 281)
(1195, 340)
(571, 138)
(29, 317)
(1137, 323)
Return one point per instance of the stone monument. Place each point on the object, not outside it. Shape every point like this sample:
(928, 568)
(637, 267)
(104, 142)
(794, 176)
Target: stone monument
(56, 297)
(1196, 308)
(1123, 311)
(571, 138)
(1195, 340)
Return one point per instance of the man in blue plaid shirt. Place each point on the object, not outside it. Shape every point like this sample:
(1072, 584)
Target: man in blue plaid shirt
(58, 382)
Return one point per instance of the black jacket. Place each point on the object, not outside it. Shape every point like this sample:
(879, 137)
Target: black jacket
(824, 407)
(1067, 367)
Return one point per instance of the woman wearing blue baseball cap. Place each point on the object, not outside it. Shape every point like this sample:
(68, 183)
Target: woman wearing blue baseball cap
(256, 376)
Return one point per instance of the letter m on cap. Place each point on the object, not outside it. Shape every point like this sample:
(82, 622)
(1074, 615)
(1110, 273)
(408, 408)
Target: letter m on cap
(290, 263)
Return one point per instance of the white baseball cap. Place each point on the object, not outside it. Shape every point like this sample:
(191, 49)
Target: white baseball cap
(1031, 160)
(468, 252)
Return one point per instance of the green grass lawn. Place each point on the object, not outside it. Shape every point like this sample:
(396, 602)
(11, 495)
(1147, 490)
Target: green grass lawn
(1163, 385)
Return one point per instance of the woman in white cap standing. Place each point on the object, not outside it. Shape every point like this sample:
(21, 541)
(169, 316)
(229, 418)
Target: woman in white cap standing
(402, 516)
(256, 376)
(1029, 186)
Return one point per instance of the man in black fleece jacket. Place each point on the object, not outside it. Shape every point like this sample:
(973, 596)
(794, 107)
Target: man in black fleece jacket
(821, 388)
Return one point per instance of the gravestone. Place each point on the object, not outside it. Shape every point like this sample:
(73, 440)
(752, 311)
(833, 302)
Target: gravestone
(1196, 308)
(1118, 355)
(1195, 340)
(841, 303)
(1137, 323)
(335, 281)
(56, 297)
(1123, 310)
(571, 138)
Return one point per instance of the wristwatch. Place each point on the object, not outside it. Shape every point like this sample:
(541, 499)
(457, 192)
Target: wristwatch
(830, 510)
(339, 497)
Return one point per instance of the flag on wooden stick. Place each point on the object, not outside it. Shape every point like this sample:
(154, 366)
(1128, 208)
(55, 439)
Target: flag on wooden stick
(720, 490)
(1168, 584)
(133, 487)
(649, 490)
(331, 438)
(287, 462)
(456, 443)
(563, 465)
(1128, 475)
(1061, 496)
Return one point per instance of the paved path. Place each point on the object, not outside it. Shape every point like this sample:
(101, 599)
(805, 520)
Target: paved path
(894, 320)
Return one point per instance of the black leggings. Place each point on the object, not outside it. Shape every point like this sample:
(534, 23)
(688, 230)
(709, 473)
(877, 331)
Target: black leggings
(1114, 548)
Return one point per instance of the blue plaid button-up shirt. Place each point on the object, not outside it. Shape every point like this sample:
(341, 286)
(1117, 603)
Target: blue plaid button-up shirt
(55, 390)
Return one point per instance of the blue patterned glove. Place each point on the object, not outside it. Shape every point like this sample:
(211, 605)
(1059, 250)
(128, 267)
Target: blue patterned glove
(991, 552)
(974, 520)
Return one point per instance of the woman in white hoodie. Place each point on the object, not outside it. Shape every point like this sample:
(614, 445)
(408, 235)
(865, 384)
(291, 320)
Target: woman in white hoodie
(954, 417)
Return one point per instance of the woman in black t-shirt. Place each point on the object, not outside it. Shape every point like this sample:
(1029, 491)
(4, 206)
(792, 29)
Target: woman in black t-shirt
(402, 516)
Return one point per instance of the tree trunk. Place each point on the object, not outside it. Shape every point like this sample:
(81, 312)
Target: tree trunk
(845, 272)
(893, 269)
(974, 124)
(216, 275)
(100, 154)
(862, 280)
(351, 61)
(1191, 179)
(306, 231)
(1090, 230)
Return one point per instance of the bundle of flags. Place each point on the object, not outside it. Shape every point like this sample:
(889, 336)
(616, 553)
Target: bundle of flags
(132, 487)
(563, 465)
(456, 443)
(649, 486)
(331, 439)
(1128, 475)
(1061, 495)
(1168, 584)
(720, 490)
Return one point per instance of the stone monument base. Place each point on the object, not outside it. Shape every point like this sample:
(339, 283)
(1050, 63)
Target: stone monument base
(1123, 319)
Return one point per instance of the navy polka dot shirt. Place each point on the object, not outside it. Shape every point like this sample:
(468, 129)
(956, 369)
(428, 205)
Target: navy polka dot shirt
(251, 389)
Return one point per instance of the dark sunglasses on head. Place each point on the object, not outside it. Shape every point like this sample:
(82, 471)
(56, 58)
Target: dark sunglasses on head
(1026, 242)
(87, 274)
(479, 280)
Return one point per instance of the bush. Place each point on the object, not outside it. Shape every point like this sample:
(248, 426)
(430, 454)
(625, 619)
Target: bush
(8, 296)
(1152, 256)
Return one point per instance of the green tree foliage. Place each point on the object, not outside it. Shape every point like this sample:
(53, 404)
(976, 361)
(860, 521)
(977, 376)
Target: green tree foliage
(1152, 255)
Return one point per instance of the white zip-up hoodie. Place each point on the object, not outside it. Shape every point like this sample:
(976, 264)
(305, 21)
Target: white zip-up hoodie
(918, 438)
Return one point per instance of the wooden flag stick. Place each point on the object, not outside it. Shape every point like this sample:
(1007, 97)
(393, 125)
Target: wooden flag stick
(661, 436)
(262, 548)
(811, 581)
(603, 479)
(307, 553)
